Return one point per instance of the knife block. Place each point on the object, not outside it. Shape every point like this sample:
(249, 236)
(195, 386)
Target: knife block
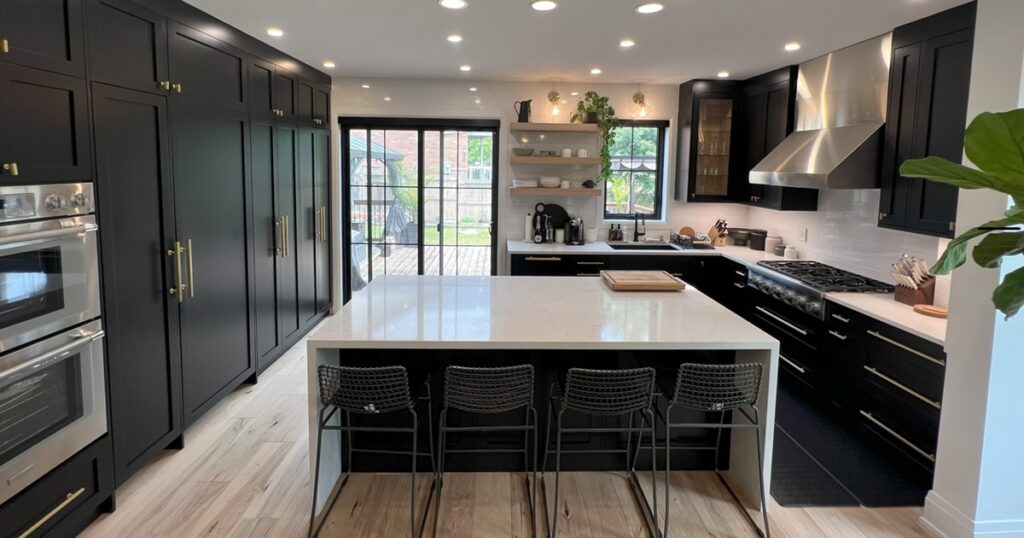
(924, 294)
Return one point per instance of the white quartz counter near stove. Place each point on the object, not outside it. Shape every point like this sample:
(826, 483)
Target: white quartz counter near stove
(881, 306)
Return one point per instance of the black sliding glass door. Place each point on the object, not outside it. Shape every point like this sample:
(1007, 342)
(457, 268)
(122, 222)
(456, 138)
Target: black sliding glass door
(421, 198)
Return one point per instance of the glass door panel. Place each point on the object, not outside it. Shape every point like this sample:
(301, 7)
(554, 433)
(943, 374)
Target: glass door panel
(714, 131)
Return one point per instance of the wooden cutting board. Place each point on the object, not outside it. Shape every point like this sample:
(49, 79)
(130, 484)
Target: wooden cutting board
(642, 281)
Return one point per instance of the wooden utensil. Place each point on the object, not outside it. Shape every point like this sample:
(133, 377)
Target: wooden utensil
(931, 311)
(686, 230)
(642, 281)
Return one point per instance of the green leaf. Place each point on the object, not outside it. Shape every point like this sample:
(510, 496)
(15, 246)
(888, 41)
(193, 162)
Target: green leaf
(958, 175)
(956, 252)
(1008, 297)
(991, 250)
(995, 143)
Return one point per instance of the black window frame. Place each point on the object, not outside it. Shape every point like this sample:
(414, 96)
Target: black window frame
(659, 191)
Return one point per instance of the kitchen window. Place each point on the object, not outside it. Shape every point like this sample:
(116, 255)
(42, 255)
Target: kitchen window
(637, 183)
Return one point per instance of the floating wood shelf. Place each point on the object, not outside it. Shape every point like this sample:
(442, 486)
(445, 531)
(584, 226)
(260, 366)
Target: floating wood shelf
(554, 127)
(578, 161)
(542, 191)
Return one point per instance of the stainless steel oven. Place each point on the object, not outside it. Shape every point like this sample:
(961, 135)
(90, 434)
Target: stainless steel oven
(52, 404)
(49, 279)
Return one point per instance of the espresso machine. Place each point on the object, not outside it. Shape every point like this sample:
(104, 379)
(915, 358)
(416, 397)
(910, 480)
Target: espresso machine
(574, 231)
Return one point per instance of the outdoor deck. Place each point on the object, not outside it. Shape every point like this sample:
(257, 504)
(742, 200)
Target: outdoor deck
(402, 260)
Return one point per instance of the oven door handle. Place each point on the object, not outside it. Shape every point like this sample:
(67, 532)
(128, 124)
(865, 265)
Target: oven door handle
(774, 316)
(47, 234)
(50, 358)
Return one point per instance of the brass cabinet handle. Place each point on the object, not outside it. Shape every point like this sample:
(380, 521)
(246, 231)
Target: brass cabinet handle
(68, 499)
(898, 437)
(12, 168)
(5, 46)
(179, 288)
(284, 219)
(191, 275)
(176, 87)
(318, 226)
(278, 237)
(165, 85)
(903, 387)
(904, 347)
(324, 215)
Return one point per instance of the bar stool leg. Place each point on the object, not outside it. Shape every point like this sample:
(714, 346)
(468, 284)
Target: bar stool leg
(654, 470)
(412, 496)
(558, 469)
(533, 499)
(439, 472)
(668, 465)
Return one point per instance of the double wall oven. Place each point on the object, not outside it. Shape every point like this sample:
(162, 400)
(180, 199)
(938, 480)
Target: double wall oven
(52, 379)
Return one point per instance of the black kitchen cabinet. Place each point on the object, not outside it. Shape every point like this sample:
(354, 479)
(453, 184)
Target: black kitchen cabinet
(768, 115)
(133, 177)
(322, 216)
(210, 152)
(287, 181)
(45, 34)
(45, 136)
(313, 106)
(205, 71)
(127, 45)
(273, 91)
(708, 167)
(929, 79)
(67, 499)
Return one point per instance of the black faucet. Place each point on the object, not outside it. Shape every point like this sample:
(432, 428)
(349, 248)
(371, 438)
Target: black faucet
(636, 229)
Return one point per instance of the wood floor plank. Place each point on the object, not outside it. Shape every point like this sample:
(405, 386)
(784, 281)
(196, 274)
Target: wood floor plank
(244, 471)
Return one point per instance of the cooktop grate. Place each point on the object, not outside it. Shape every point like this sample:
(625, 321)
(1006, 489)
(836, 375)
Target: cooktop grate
(826, 278)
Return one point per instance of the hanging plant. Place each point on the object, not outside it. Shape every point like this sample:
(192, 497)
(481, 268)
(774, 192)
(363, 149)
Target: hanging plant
(994, 142)
(594, 108)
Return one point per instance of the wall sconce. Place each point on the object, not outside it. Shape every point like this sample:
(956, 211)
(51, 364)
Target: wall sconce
(553, 110)
(642, 109)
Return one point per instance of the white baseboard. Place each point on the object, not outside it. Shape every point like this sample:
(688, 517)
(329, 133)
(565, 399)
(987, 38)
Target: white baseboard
(945, 520)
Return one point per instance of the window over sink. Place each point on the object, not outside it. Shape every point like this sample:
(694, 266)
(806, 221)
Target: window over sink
(637, 182)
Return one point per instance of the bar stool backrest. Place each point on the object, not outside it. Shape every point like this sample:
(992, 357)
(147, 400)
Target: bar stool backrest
(488, 390)
(608, 392)
(365, 390)
(717, 387)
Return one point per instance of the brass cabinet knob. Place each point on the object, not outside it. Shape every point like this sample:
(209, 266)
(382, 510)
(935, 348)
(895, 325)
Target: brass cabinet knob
(12, 168)
(176, 87)
(5, 46)
(165, 85)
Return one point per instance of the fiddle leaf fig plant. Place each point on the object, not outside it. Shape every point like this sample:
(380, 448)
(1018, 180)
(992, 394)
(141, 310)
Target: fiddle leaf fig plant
(994, 142)
(594, 108)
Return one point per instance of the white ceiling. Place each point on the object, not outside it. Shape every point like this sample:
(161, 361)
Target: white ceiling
(507, 40)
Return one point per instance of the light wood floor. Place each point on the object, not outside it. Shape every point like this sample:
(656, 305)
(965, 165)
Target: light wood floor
(244, 472)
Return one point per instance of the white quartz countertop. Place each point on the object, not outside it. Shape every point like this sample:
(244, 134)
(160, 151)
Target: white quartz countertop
(882, 307)
(507, 312)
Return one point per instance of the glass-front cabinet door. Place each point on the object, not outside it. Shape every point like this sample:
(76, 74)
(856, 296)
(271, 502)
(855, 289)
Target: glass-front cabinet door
(714, 137)
(709, 167)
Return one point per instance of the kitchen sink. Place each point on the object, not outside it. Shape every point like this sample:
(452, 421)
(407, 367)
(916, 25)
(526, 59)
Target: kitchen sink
(649, 245)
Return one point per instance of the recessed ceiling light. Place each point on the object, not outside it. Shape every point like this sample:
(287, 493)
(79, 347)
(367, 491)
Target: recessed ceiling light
(465, 68)
(626, 43)
(574, 93)
(366, 86)
(386, 98)
(595, 71)
(453, 4)
(792, 46)
(275, 32)
(455, 38)
(648, 8)
(329, 64)
(472, 88)
(543, 5)
(723, 74)
(477, 101)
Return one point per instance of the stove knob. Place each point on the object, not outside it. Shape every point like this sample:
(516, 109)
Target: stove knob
(55, 201)
(813, 307)
(78, 199)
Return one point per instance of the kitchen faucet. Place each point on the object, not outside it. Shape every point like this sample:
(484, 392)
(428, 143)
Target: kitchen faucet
(639, 231)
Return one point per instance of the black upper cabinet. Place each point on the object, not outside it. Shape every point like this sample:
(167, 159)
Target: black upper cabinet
(707, 167)
(927, 112)
(286, 89)
(313, 105)
(205, 71)
(45, 134)
(45, 34)
(133, 176)
(261, 90)
(127, 45)
(769, 103)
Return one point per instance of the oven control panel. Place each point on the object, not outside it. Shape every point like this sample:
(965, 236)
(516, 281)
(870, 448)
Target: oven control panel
(796, 296)
(45, 201)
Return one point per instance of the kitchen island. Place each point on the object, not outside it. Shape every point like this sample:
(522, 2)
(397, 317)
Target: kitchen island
(428, 322)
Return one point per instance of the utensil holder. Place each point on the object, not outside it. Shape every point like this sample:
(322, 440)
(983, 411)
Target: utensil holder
(924, 294)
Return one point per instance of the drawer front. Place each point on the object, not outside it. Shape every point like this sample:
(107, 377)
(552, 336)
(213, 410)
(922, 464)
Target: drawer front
(903, 359)
(585, 265)
(539, 265)
(909, 428)
(65, 500)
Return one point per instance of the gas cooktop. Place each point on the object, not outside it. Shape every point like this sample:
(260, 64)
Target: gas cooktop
(825, 278)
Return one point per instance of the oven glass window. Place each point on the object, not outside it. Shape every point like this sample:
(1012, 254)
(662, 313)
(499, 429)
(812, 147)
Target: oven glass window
(36, 405)
(31, 285)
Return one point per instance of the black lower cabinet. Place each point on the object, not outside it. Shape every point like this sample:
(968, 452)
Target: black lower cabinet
(210, 151)
(133, 182)
(322, 199)
(66, 500)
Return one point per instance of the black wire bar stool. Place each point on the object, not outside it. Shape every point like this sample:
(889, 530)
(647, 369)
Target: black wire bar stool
(626, 392)
(716, 388)
(490, 391)
(369, 391)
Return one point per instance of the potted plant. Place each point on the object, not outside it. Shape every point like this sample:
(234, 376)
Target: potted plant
(594, 108)
(994, 142)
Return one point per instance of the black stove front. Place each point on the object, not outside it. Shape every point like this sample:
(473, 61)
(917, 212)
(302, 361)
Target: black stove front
(825, 278)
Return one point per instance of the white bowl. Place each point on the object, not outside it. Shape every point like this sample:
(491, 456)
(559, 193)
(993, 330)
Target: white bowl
(550, 182)
(524, 183)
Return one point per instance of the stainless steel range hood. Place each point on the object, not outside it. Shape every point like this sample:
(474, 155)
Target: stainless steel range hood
(841, 101)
